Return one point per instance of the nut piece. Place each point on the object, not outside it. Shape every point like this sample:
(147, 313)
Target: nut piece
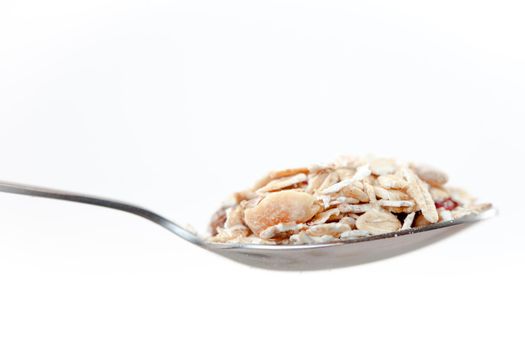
(281, 207)
(377, 222)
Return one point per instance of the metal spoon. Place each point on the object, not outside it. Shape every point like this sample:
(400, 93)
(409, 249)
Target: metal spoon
(281, 257)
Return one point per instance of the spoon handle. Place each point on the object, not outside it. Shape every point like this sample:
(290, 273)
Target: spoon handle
(28, 190)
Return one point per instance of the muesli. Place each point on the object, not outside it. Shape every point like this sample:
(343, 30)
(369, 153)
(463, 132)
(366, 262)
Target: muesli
(349, 199)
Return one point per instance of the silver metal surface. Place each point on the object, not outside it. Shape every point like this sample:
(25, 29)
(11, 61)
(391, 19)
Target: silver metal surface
(281, 257)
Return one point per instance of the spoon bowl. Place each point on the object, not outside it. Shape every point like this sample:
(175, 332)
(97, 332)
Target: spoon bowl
(344, 253)
(282, 257)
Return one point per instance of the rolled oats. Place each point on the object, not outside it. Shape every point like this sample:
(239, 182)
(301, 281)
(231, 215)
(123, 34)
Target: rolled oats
(350, 199)
(430, 175)
(355, 192)
(418, 190)
(383, 166)
(393, 195)
(315, 181)
(331, 229)
(354, 208)
(348, 220)
(392, 182)
(343, 199)
(330, 180)
(377, 222)
(396, 204)
(281, 183)
(361, 173)
(277, 230)
(407, 223)
(322, 217)
(370, 192)
(353, 234)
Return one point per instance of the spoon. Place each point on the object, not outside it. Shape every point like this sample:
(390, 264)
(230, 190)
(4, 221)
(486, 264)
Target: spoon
(281, 257)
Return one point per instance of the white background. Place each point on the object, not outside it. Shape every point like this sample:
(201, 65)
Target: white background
(175, 104)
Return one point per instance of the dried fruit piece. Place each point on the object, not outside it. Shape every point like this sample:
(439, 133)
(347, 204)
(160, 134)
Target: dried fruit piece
(445, 215)
(377, 221)
(281, 207)
(448, 204)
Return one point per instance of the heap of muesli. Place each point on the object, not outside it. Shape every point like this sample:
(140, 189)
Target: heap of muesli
(349, 199)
